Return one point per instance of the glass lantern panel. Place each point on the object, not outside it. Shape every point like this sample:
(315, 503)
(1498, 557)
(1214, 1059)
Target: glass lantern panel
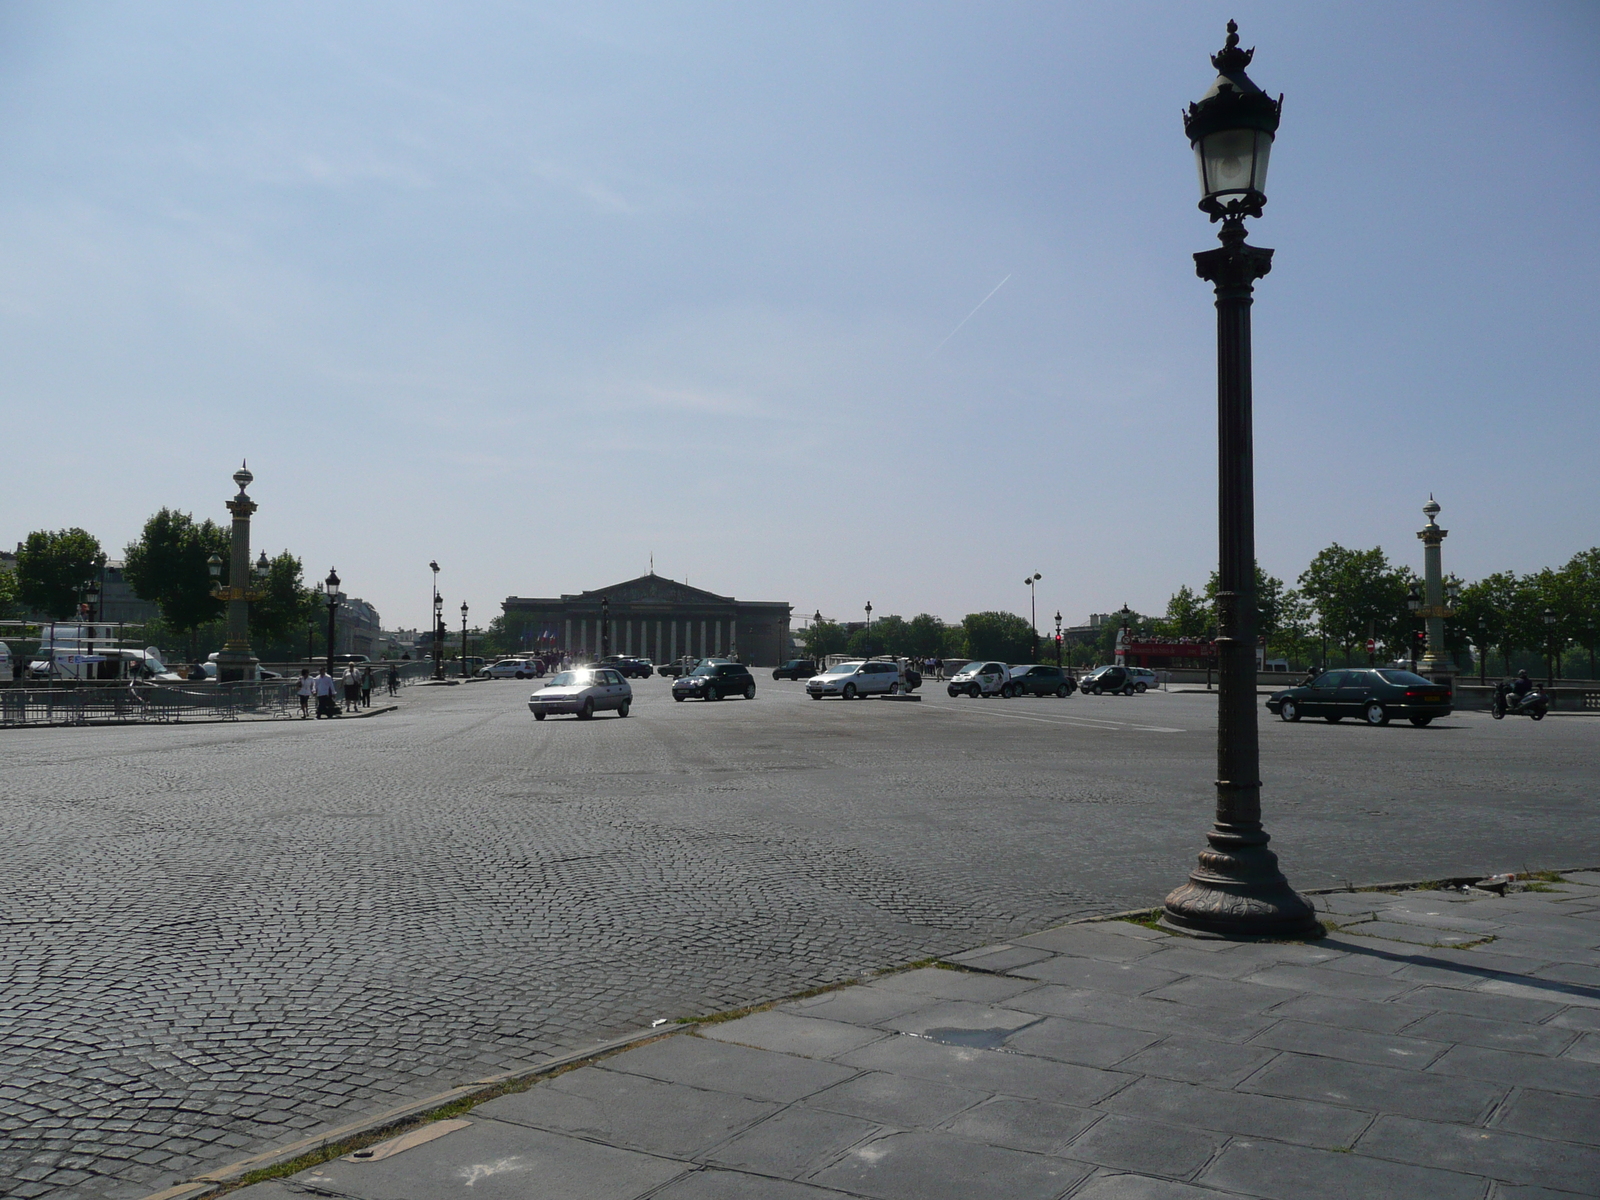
(1227, 161)
(1263, 153)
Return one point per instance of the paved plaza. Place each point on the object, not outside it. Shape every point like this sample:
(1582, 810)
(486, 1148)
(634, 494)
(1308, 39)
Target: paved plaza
(214, 938)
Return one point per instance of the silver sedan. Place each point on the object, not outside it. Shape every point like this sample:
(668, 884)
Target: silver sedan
(585, 691)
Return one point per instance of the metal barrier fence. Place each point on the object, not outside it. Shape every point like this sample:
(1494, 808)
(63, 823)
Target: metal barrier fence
(145, 702)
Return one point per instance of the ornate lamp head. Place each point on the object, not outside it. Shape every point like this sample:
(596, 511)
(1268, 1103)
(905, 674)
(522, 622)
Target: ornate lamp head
(243, 477)
(1231, 129)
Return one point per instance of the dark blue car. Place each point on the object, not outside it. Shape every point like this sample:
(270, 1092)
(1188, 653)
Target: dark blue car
(1370, 694)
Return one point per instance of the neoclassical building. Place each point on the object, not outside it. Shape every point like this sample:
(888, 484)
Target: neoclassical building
(655, 618)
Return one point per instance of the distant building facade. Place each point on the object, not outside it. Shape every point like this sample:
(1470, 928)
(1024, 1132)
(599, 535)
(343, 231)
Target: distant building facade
(656, 618)
(357, 629)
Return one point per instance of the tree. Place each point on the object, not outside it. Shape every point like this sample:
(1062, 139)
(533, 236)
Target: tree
(822, 638)
(998, 635)
(1269, 601)
(168, 566)
(1357, 594)
(10, 603)
(1190, 616)
(924, 636)
(53, 566)
(886, 635)
(285, 608)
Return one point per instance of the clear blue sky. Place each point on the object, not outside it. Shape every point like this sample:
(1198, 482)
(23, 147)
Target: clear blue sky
(538, 291)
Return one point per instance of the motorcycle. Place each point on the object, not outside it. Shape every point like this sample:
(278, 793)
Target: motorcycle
(1535, 704)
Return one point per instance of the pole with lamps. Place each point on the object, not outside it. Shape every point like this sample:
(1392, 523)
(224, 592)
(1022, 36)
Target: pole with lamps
(1058, 639)
(605, 627)
(1436, 664)
(1550, 647)
(438, 624)
(1236, 889)
(464, 671)
(1414, 603)
(1033, 610)
(334, 596)
(236, 660)
(867, 641)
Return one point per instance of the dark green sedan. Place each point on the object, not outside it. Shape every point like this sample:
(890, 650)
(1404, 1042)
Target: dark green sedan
(1370, 694)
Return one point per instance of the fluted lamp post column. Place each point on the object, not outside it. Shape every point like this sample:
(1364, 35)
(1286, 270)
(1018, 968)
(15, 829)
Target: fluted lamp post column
(334, 596)
(464, 671)
(1236, 889)
(236, 661)
(1436, 663)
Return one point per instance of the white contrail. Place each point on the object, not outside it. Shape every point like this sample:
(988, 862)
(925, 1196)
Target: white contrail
(969, 316)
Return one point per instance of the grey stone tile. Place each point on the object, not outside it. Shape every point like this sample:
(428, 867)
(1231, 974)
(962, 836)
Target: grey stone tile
(1141, 1012)
(1352, 1045)
(1140, 1187)
(1023, 1124)
(1377, 1089)
(1512, 1191)
(759, 1074)
(1188, 957)
(1577, 1018)
(1346, 1014)
(1270, 1169)
(1352, 904)
(1094, 941)
(788, 1033)
(1517, 1036)
(954, 985)
(1527, 988)
(1583, 974)
(864, 1005)
(1497, 1153)
(1227, 994)
(989, 1071)
(501, 1162)
(271, 1190)
(794, 1143)
(713, 1184)
(1198, 1060)
(935, 1166)
(956, 1017)
(1098, 975)
(1150, 1147)
(630, 1111)
(1549, 1115)
(1483, 1004)
(1409, 912)
(1304, 1122)
(1523, 1070)
(898, 1100)
(1079, 1042)
(1586, 1048)
(1323, 982)
(998, 958)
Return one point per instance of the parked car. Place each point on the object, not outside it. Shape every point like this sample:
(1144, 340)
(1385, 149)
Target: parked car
(585, 691)
(795, 668)
(628, 666)
(1143, 678)
(1041, 680)
(852, 680)
(678, 667)
(715, 679)
(513, 668)
(1112, 680)
(980, 678)
(1371, 694)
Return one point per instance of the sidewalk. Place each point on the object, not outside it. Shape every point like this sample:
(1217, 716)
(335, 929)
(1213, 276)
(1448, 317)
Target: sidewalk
(1436, 1044)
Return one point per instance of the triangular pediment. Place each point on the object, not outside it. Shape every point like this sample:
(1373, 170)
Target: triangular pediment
(656, 589)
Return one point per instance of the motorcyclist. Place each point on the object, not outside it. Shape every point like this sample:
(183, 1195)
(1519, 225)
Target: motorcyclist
(1522, 686)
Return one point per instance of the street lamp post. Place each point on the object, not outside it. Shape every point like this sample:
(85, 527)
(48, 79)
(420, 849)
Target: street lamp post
(463, 639)
(1414, 603)
(1435, 663)
(334, 596)
(1236, 889)
(236, 661)
(438, 624)
(1033, 609)
(1550, 647)
(1058, 639)
(605, 627)
(867, 642)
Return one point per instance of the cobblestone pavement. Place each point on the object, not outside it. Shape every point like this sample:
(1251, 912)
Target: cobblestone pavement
(215, 938)
(1436, 1044)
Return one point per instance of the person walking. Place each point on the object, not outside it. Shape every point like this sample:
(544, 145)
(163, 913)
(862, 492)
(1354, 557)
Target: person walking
(366, 687)
(323, 687)
(394, 680)
(305, 690)
(352, 690)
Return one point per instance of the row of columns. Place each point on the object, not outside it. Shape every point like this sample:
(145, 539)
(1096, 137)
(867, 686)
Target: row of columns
(657, 640)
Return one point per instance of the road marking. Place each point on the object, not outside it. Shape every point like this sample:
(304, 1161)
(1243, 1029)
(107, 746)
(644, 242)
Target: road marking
(1080, 722)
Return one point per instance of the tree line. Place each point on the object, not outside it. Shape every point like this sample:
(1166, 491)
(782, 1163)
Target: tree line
(169, 565)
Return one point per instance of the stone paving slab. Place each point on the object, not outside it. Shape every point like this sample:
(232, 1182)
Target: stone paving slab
(1118, 1086)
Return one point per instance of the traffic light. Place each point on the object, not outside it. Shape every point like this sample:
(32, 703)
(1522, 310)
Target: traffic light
(1419, 641)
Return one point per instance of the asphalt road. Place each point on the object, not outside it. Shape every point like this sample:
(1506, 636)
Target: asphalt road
(215, 938)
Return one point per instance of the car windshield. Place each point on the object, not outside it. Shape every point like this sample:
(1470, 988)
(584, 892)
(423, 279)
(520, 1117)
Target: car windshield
(705, 669)
(571, 679)
(1406, 678)
(843, 669)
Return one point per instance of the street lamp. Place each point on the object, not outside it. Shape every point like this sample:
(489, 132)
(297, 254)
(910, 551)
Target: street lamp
(1033, 609)
(463, 639)
(438, 624)
(605, 627)
(236, 662)
(1058, 639)
(263, 567)
(334, 596)
(1550, 647)
(1236, 889)
(1413, 602)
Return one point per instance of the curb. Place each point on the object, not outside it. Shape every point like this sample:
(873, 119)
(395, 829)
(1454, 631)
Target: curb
(216, 1180)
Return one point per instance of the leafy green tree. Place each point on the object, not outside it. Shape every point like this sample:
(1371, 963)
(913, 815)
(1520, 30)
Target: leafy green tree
(998, 635)
(924, 636)
(169, 567)
(52, 567)
(10, 596)
(822, 638)
(285, 608)
(1269, 602)
(1357, 594)
(886, 635)
(1190, 616)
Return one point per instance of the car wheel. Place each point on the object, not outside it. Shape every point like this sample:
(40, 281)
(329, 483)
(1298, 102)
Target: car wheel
(1289, 711)
(816, 695)
(894, 689)
(776, 677)
(849, 692)
(538, 716)
(678, 696)
(1063, 692)
(1128, 690)
(1140, 687)
(749, 691)
(521, 675)
(974, 691)
(1537, 716)
(712, 694)
(622, 709)
(1374, 714)
(1420, 721)
(586, 713)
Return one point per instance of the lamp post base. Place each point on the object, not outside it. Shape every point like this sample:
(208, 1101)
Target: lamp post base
(1237, 891)
(234, 666)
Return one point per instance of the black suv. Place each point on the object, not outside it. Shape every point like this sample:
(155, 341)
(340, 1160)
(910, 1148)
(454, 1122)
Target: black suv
(795, 668)
(1041, 681)
(715, 680)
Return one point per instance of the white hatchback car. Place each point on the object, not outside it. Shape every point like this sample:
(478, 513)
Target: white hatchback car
(980, 678)
(585, 691)
(512, 668)
(850, 680)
